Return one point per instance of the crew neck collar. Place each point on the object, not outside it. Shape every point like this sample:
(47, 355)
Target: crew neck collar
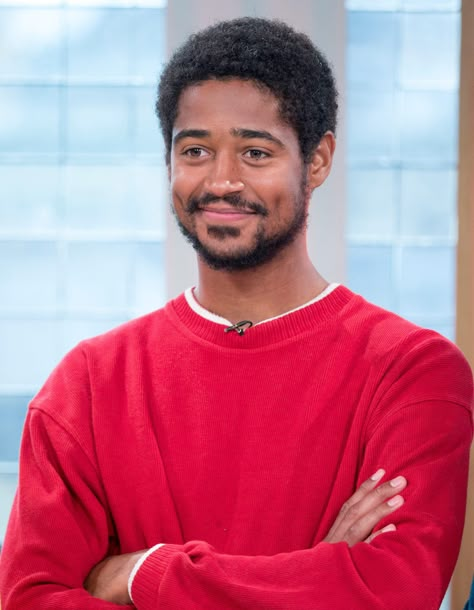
(285, 327)
(209, 315)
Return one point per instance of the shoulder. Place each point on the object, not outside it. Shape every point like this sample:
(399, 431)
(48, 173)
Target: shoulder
(404, 355)
(105, 356)
(129, 333)
(380, 329)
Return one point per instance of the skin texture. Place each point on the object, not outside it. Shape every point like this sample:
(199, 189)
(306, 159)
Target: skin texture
(214, 153)
(237, 176)
(232, 188)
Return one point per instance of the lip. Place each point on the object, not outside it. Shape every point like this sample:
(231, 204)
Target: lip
(225, 213)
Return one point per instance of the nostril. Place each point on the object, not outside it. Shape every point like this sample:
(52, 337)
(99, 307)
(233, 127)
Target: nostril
(222, 187)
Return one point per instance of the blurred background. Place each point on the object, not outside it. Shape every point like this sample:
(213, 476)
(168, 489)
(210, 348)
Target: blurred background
(85, 236)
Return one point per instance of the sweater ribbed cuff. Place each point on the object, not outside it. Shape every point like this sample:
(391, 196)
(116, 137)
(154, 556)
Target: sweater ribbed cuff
(147, 580)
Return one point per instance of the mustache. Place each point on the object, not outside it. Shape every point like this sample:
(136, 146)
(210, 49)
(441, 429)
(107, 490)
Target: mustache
(195, 203)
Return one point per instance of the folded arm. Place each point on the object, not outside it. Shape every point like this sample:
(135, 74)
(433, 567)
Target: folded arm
(112, 579)
(405, 568)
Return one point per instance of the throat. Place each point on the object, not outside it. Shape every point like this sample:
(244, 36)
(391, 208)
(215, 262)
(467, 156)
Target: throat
(241, 316)
(284, 284)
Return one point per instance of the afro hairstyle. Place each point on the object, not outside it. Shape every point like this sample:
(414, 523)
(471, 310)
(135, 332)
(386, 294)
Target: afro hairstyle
(267, 52)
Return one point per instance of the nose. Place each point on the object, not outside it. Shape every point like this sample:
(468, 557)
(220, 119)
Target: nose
(223, 177)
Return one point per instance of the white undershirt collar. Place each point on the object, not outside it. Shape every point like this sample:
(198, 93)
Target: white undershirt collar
(212, 317)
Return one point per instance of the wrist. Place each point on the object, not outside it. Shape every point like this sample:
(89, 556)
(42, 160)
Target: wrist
(138, 559)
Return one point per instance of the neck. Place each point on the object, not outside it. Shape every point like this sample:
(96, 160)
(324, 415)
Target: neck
(261, 293)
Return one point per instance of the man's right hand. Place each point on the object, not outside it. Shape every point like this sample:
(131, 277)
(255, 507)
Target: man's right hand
(365, 509)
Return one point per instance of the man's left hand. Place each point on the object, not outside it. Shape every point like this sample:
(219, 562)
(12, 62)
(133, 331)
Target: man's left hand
(108, 580)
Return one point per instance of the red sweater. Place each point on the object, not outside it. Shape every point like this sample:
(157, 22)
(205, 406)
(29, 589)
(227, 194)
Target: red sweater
(238, 452)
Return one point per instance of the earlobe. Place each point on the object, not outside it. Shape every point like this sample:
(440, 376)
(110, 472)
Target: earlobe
(321, 163)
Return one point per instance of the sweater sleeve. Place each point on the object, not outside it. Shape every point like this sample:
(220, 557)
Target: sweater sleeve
(425, 439)
(58, 528)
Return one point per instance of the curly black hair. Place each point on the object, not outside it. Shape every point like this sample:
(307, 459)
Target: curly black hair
(267, 52)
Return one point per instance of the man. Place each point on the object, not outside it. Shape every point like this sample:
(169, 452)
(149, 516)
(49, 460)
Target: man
(245, 447)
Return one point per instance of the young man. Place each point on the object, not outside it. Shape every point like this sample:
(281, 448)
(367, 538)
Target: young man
(246, 446)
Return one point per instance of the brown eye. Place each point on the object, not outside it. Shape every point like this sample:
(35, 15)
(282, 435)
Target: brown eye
(256, 155)
(194, 152)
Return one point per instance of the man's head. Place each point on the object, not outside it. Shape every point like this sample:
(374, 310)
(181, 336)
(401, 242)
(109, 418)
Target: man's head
(269, 53)
(248, 111)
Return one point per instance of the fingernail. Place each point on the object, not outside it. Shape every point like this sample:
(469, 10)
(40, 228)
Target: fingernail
(389, 528)
(395, 501)
(397, 481)
(377, 475)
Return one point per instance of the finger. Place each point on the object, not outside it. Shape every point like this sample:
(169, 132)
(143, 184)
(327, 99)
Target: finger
(366, 498)
(359, 519)
(381, 494)
(388, 528)
(363, 527)
(366, 487)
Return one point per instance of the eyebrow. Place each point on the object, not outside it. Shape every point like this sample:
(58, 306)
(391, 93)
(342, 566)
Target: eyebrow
(253, 134)
(239, 132)
(191, 133)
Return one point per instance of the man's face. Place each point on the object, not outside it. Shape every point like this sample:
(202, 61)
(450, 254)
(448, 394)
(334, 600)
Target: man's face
(237, 177)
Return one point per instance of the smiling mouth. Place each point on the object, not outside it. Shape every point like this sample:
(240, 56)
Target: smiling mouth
(226, 209)
(223, 213)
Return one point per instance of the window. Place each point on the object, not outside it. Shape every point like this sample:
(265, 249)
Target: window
(82, 187)
(402, 155)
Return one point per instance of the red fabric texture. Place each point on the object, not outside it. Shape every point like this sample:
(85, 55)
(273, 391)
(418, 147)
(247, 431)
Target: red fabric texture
(238, 453)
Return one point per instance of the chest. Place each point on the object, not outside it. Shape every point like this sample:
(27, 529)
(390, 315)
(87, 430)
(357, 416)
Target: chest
(243, 453)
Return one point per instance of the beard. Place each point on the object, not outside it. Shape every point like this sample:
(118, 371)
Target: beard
(264, 247)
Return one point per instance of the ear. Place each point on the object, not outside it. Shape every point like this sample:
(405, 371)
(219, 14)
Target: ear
(321, 162)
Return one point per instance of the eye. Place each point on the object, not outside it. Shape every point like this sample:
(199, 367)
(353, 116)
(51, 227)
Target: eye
(195, 152)
(255, 154)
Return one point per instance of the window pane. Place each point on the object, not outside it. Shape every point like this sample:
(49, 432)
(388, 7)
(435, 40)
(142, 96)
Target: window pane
(28, 197)
(30, 119)
(148, 137)
(93, 51)
(149, 291)
(427, 281)
(366, 31)
(12, 414)
(150, 198)
(30, 349)
(431, 5)
(428, 201)
(372, 5)
(372, 203)
(31, 43)
(150, 43)
(372, 126)
(28, 276)
(98, 120)
(429, 124)
(424, 60)
(99, 277)
(370, 274)
(98, 197)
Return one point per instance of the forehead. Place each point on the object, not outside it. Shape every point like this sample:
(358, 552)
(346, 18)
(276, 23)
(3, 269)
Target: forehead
(229, 103)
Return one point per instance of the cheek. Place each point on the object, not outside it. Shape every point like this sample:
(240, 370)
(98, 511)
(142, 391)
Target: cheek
(278, 185)
(180, 184)
(282, 197)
